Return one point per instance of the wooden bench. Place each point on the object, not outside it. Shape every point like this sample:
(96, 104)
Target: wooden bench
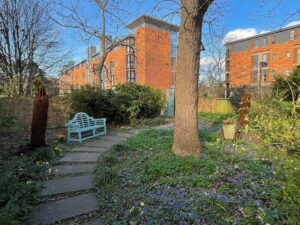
(83, 127)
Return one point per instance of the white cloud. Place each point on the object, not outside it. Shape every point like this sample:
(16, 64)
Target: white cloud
(242, 33)
(239, 34)
(293, 23)
(205, 61)
(264, 31)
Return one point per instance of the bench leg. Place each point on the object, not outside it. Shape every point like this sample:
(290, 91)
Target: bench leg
(105, 131)
(79, 136)
(69, 136)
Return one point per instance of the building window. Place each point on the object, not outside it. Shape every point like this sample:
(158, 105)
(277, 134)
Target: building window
(264, 57)
(241, 46)
(260, 42)
(255, 62)
(174, 46)
(297, 56)
(265, 40)
(281, 37)
(274, 56)
(292, 35)
(288, 54)
(112, 72)
(257, 70)
(255, 76)
(130, 60)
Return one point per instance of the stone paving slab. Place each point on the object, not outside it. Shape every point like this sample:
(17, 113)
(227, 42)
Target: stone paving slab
(80, 157)
(93, 222)
(100, 144)
(113, 138)
(90, 149)
(67, 184)
(76, 168)
(48, 213)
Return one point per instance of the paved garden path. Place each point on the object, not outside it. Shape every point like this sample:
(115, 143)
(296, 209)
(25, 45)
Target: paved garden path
(70, 192)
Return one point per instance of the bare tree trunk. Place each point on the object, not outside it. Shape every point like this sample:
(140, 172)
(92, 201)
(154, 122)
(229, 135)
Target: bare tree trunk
(186, 140)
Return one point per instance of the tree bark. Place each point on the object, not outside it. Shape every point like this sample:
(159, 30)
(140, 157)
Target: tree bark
(186, 140)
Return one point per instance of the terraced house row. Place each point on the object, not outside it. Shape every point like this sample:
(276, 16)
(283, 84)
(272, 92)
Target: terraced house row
(147, 56)
(262, 56)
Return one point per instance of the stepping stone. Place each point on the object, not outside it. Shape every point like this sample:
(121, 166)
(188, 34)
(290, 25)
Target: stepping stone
(93, 222)
(76, 168)
(67, 184)
(100, 144)
(48, 213)
(87, 149)
(113, 138)
(80, 157)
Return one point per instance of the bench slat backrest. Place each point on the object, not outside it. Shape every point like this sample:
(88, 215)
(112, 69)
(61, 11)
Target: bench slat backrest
(82, 119)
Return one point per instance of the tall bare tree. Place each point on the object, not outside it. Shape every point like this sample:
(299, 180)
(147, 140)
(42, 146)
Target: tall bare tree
(186, 140)
(28, 42)
(110, 11)
(212, 65)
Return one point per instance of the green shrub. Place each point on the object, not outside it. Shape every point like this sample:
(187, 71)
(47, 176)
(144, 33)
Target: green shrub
(236, 97)
(127, 103)
(274, 121)
(287, 88)
(95, 102)
(138, 102)
(121, 148)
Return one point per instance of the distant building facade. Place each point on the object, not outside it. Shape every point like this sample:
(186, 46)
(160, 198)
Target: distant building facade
(146, 57)
(264, 55)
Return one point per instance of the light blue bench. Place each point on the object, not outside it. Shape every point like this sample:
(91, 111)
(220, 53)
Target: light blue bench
(83, 127)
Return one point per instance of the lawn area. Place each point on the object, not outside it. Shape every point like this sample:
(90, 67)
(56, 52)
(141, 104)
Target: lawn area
(232, 182)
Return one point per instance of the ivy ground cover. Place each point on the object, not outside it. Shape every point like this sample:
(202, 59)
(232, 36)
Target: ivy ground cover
(143, 182)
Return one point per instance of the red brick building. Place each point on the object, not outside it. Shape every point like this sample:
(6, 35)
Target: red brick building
(147, 57)
(264, 55)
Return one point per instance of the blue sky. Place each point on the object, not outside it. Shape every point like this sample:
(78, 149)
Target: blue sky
(240, 17)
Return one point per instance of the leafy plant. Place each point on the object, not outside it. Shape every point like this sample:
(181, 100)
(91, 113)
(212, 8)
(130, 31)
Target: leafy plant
(126, 104)
(19, 189)
(229, 121)
(287, 88)
(236, 97)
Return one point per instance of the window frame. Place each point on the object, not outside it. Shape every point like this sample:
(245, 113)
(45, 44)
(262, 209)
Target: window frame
(112, 71)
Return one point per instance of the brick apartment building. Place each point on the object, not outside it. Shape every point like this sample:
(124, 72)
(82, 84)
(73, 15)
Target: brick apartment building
(147, 57)
(276, 52)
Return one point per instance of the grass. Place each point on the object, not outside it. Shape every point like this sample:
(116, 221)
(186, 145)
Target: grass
(214, 118)
(143, 182)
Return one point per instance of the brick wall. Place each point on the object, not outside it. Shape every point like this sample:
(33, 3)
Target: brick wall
(153, 61)
(239, 64)
(21, 109)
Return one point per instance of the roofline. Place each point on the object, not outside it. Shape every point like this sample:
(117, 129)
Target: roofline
(154, 21)
(96, 54)
(264, 34)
